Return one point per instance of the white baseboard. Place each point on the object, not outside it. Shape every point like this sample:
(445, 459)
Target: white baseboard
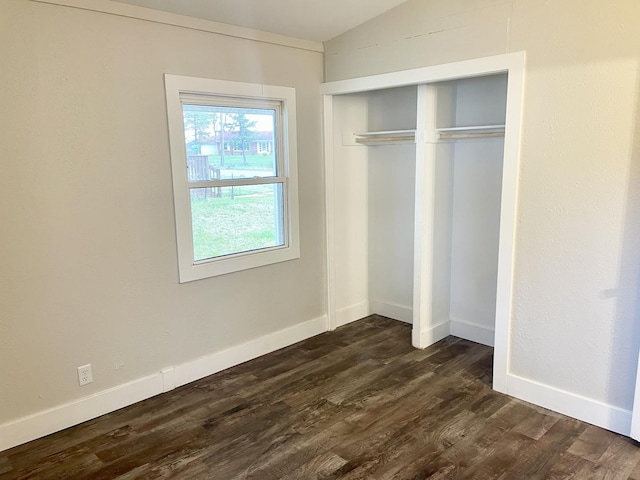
(63, 416)
(635, 417)
(214, 363)
(591, 411)
(73, 413)
(472, 331)
(352, 313)
(58, 418)
(168, 379)
(434, 334)
(391, 310)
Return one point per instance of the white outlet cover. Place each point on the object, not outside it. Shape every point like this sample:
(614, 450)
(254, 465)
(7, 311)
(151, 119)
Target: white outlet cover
(84, 374)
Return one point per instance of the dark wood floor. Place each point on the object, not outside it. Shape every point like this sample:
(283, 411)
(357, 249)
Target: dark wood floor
(358, 403)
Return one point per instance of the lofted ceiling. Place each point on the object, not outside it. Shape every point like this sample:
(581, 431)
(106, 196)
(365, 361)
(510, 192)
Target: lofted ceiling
(317, 20)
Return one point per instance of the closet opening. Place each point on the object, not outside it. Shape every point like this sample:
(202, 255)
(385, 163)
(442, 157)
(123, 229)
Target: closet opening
(421, 170)
(463, 158)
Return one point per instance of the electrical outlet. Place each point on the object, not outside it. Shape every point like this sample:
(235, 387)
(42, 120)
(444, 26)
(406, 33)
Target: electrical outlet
(84, 374)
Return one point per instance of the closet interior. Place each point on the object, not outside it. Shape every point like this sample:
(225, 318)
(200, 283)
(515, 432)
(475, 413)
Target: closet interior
(414, 183)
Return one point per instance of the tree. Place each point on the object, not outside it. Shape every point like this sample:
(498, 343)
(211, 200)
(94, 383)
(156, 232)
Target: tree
(200, 122)
(223, 123)
(245, 134)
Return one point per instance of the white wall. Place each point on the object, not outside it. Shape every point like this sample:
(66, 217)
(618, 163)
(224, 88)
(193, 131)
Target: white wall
(373, 193)
(576, 321)
(477, 187)
(391, 210)
(391, 171)
(88, 267)
(350, 189)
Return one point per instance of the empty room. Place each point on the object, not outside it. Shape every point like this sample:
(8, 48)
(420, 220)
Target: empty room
(378, 239)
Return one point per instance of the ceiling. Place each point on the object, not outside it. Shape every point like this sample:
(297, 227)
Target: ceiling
(317, 20)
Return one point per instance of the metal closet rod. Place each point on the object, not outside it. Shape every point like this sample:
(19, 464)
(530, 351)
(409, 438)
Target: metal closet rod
(455, 136)
(381, 139)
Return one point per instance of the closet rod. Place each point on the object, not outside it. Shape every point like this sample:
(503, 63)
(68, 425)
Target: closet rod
(405, 138)
(456, 136)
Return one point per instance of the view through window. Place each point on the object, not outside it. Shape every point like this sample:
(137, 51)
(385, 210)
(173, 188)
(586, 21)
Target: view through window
(234, 170)
(233, 150)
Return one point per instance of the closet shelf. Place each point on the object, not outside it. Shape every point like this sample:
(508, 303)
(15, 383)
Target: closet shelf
(475, 131)
(388, 137)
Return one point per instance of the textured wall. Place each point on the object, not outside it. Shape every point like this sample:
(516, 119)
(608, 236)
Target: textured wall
(88, 267)
(576, 322)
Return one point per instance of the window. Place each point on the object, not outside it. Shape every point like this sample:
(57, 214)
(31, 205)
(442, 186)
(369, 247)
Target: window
(264, 148)
(235, 203)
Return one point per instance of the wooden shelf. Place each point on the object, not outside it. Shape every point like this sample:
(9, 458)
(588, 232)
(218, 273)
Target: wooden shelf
(475, 131)
(388, 137)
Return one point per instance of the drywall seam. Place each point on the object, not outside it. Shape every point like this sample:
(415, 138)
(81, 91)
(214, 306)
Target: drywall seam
(73, 413)
(175, 20)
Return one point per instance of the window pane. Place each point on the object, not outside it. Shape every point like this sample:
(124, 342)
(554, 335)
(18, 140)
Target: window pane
(228, 220)
(229, 142)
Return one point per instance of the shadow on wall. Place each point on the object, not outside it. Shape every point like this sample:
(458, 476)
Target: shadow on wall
(627, 309)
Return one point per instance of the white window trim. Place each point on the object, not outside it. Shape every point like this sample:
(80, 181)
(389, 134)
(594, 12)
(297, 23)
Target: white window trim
(175, 85)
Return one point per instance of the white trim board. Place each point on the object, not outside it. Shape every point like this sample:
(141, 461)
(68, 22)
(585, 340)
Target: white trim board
(58, 418)
(73, 413)
(359, 311)
(327, 137)
(436, 73)
(635, 419)
(352, 313)
(210, 364)
(435, 333)
(591, 411)
(393, 310)
(458, 328)
(472, 331)
(175, 20)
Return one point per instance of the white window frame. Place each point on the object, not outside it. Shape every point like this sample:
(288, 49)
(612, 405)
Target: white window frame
(177, 86)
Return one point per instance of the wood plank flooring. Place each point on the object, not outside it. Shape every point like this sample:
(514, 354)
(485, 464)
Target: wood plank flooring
(357, 403)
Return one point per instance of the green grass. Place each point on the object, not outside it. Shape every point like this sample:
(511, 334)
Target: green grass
(225, 225)
(254, 162)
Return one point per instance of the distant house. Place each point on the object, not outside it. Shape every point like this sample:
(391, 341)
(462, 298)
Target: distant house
(261, 143)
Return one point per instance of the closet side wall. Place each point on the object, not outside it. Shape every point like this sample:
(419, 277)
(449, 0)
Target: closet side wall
(477, 184)
(351, 210)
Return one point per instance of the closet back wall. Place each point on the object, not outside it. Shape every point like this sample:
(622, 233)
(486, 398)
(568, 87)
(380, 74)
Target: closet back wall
(391, 204)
